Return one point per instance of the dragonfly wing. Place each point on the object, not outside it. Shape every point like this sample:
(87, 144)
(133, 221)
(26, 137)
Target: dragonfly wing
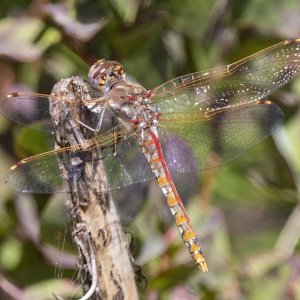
(32, 109)
(128, 166)
(130, 200)
(199, 142)
(248, 80)
(42, 173)
(28, 109)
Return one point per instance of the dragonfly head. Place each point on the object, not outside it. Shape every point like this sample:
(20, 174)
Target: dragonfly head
(104, 73)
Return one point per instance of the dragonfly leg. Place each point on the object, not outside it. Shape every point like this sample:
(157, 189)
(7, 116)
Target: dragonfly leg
(99, 122)
(86, 126)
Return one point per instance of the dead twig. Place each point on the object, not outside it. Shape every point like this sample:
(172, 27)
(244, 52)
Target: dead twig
(105, 269)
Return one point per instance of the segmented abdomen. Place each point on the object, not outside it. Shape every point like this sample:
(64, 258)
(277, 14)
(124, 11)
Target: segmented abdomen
(152, 149)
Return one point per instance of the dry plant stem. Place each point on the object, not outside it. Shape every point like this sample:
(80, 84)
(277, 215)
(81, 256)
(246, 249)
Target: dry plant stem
(97, 230)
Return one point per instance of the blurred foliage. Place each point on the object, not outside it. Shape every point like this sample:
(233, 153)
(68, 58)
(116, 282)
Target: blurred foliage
(247, 212)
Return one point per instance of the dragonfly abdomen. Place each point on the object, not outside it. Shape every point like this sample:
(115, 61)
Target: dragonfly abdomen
(153, 152)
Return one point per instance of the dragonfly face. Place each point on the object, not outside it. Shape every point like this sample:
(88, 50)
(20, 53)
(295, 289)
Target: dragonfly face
(104, 73)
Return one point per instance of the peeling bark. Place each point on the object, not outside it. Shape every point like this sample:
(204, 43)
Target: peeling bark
(97, 230)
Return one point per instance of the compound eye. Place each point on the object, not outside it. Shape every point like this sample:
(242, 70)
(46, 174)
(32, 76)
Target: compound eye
(102, 80)
(119, 69)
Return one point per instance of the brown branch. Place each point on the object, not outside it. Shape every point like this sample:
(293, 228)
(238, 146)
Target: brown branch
(105, 269)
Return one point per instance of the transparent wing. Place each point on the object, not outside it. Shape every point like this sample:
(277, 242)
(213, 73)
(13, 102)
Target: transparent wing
(29, 109)
(205, 119)
(42, 174)
(32, 109)
(248, 80)
(190, 146)
(205, 141)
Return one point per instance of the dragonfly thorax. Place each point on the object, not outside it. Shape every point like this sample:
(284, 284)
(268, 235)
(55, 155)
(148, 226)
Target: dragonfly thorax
(136, 113)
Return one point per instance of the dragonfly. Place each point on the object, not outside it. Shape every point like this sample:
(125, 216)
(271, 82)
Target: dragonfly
(190, 123)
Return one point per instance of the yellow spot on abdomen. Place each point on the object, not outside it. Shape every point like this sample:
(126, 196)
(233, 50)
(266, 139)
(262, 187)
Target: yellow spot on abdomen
(180, 219)
(162, 181)
(149, 143)
(155, 160)
(188, 235)
(195, 248)
(171, 200)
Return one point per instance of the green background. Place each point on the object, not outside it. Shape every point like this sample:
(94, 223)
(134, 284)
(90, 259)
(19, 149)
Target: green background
(246, 213)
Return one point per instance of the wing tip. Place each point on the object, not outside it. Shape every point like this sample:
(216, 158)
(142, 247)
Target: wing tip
(291, 41)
